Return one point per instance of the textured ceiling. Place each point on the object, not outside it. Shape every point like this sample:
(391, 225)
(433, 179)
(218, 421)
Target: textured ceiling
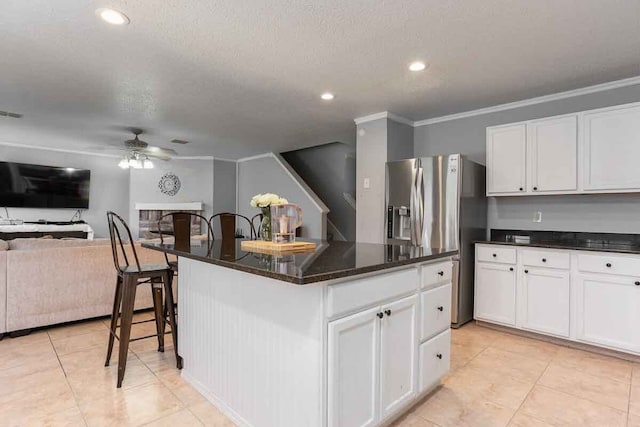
(243, 77)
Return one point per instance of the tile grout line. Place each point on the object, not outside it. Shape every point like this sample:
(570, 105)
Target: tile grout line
(66, 378)
(530, 391)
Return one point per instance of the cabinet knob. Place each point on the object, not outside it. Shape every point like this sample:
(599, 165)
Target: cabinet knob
(495, 255)
(439, 356)
(380, 315)
(510, 268)
(387, 312)
(544, 260)
(440, 273)
(637, 283)
(526, 271)
(609, 264)
(535, 188)
(441, 308)
(521, 189)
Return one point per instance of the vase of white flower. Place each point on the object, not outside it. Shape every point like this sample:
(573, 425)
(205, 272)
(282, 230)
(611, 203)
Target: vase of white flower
(264, 203)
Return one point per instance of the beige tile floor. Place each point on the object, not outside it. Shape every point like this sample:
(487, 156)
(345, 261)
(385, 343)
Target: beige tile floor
(56, 377)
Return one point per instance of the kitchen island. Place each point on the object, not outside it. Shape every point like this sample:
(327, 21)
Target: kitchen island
(351, 334)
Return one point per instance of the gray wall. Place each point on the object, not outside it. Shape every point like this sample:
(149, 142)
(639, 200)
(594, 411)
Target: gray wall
(196, 178)
(109, 188)
(224, 190)
(606, 213)
(267, 175)
(377, 142)
(329, 170)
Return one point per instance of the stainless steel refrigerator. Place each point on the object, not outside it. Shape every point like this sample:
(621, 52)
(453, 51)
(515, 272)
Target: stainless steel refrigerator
(439, 202)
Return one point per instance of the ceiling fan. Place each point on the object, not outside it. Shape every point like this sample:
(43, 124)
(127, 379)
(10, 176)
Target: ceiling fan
(139, 153)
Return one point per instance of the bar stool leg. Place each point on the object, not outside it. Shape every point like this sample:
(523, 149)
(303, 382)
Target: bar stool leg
(128, 299)
(167, 278)
(114, 319)
(158, 310)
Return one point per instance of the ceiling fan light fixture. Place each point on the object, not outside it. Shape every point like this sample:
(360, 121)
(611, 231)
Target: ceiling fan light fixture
(124, 163)
(147, 164)
(112, 16)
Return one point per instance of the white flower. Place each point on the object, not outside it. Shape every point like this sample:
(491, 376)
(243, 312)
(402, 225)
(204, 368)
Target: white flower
(267, 199)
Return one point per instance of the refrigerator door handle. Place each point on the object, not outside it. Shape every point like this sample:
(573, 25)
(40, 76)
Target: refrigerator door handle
(419, 217)
(412, 209)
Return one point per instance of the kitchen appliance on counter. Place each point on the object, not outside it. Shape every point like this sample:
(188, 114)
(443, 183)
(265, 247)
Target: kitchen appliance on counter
(439, 202)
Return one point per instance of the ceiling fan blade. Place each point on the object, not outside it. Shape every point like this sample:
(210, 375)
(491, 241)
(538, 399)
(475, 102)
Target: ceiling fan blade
(152, 150)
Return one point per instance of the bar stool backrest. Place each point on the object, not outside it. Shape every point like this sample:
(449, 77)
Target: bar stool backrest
(117, 228)
(182, 229)
(228, 223)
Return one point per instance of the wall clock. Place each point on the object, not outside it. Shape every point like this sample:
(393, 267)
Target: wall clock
(169, 184)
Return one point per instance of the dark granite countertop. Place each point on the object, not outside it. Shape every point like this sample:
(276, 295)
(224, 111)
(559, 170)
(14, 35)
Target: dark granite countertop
(599, 242)
(330, 260)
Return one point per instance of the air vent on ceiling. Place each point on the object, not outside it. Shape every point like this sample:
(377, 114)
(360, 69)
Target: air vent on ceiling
(8, 114)
(179, 141)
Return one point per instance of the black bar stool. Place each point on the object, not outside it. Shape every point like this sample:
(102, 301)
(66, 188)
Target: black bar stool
(129, 277)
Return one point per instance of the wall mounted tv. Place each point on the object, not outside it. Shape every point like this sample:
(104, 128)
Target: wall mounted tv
(35, 186)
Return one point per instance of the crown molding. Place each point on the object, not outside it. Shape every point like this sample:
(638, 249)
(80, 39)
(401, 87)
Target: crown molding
(533, 101)
(383, 115)
(59, 150)
(259, 156)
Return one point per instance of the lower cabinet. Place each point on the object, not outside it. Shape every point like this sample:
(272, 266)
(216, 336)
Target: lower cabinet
(371, 366)
(608, 311)
(495, 293)
(545, 300)
(435, 360)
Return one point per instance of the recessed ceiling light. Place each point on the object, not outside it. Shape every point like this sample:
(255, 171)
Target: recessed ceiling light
(112, 16)
(417, 66)
(327, 96)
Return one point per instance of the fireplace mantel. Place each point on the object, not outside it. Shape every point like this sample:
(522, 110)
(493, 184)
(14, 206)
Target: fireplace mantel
(185, 206)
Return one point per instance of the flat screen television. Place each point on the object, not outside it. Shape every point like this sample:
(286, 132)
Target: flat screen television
(36, 186)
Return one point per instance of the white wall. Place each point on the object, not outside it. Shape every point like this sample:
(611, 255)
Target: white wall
(109, 189)
(598, 213)
(270, 174)
(196, 178)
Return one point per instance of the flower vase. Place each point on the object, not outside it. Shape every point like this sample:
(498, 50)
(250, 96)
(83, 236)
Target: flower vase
(265, 225)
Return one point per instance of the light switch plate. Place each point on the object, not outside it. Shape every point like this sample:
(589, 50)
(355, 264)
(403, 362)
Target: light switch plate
(366, 183)
(537, 216)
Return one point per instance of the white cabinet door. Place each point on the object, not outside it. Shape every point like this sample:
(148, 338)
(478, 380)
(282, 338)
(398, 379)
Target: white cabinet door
(553, 154)
(612, 149)
(506, 159)
(608, 311)
(495, 293)
(353, 349)
(398, 347)
(545, 300)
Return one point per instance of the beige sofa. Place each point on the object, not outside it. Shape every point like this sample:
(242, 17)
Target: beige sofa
(49, 281)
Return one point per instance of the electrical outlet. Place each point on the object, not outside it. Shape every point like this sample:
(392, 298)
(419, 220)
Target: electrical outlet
(537, 216)
(366, 183)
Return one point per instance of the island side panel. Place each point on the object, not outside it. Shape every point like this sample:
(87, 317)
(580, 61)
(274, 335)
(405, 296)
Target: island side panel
(252, 345)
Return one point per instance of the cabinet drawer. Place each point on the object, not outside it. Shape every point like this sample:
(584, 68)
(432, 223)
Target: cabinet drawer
(609, 264)
(436, 273)
(434, 360)
(549, 259)
(496, 253)
(435, 311)
(344, 297)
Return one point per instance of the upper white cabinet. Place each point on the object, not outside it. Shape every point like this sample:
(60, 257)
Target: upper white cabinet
(553, 154)
(612, 149)
(587, 152)
(506, 159)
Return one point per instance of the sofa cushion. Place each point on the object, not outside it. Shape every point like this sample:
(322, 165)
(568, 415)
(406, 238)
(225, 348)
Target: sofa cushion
(34, 244)
(4, 245)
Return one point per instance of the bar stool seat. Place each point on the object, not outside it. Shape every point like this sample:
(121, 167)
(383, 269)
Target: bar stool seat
(129, 277)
